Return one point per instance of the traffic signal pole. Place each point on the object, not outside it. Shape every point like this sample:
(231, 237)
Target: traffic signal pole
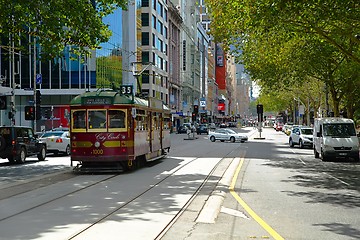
(34, 82)
(260, 111)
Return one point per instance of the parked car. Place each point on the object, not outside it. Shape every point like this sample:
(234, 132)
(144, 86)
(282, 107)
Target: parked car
(287, 128)
(202, 128)
(226, 134)
(335, 138)
(57, 142)
(302, 136)
(279, 126)
(17, 143)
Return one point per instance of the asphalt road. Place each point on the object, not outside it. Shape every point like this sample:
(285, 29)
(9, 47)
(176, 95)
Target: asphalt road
(280, 193)
(261, 189)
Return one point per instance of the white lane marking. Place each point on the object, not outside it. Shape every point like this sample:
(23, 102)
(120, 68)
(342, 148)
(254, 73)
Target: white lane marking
(233, 212)
(347, 184)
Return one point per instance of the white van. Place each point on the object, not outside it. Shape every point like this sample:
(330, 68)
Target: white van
(335, 137)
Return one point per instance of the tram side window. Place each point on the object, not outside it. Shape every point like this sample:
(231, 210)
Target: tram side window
(97, 119)
(79, 119)
(117, 119)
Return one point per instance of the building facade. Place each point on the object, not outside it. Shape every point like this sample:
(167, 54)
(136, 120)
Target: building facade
(161, 47)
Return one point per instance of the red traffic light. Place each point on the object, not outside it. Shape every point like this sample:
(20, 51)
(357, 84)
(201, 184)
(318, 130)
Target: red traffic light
(29, 112)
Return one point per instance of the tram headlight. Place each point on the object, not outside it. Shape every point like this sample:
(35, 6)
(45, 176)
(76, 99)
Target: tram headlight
(97, 144)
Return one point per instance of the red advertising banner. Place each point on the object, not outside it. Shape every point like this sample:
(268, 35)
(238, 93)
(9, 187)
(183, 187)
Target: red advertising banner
(221, 107)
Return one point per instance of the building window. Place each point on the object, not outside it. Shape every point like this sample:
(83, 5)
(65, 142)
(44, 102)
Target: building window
(159, 27)
(145, 57)
(154, 93)
(153, 40)
(145, 38)
(154, 21)
(144, 19)
(145, 92)
(145, 76)
(144, 3)
(165, 15)
(165, 32)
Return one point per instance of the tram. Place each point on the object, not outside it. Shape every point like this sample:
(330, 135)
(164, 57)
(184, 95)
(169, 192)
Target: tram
(114, 130)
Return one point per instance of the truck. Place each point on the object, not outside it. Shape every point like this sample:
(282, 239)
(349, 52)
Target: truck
(335, 137)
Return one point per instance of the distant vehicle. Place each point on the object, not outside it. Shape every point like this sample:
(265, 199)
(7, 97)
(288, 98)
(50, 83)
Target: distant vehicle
(287, 128)
(17, 143)
(302, 136)
(211, 126)
(279, 126)
(223, 125)
(184, 128)
(232, 124)
(334, 138)
(226, 134)
(57, 142)
(202, 128)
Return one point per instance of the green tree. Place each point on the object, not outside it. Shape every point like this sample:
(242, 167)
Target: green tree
(285, 44)
(56, 23)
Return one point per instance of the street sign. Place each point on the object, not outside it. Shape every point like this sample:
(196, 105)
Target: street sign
(38, 78)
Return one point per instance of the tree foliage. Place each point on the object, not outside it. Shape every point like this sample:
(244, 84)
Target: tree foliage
(292, 45)
(56, 23)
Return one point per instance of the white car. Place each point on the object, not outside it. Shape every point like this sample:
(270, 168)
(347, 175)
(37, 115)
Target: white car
(225, 134)
(302, 136)
(57, 142)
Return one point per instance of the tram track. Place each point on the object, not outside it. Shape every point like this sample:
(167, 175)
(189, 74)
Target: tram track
(181, 210)
(106, 215)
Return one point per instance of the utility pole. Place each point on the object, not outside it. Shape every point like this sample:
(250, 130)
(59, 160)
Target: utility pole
(34, 82)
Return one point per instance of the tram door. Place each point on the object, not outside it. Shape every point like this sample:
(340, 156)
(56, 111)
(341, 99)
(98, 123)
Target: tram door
(156, 137)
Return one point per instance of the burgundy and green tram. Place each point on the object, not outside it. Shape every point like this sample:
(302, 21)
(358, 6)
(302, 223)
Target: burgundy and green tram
(112, 131)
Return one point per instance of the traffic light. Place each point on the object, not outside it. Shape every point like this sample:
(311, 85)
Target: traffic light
(259, 108)
(193, 117)
(38, 97)
(3, 103)
(29, 113)
(196, 109)
(38, 114)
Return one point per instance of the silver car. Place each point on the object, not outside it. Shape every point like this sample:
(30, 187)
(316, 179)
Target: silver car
(302, 136)
(226, 134)
(57, 142)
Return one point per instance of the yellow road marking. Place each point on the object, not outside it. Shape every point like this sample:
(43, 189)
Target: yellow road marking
(256, 217)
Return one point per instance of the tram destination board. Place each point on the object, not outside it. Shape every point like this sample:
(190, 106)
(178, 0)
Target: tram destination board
(97, 101)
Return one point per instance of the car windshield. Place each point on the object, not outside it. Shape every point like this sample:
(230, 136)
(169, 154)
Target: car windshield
(339, 130)
(231, 131)
(52, 134)
(307, 131)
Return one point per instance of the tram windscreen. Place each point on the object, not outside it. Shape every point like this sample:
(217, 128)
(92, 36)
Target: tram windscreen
(79, 118)
(97, 119)
(116, 119)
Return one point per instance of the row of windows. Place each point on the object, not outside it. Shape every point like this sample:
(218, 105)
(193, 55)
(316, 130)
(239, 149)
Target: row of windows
(158, 61)
(156, 24)
(98, 120)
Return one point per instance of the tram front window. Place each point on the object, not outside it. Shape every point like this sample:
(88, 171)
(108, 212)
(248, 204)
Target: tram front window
(79, 119)
(97, 119)
(117, 119)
